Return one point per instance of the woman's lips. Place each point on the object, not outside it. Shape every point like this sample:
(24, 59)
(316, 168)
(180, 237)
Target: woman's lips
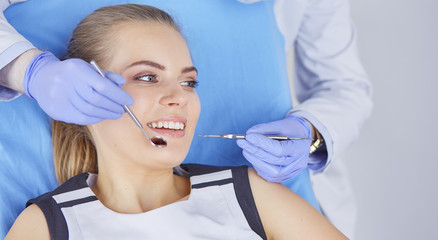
(169, 132)
(172, 126)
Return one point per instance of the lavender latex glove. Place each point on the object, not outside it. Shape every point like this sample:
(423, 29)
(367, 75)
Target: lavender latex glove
(72, 91)
(274, 160)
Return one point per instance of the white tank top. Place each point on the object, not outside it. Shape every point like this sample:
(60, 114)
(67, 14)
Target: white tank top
(220, 206)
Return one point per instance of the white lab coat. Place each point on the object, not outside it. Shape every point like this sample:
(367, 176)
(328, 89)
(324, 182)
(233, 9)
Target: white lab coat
(330, 84)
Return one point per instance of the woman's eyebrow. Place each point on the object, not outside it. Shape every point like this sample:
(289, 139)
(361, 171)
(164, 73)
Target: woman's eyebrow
(149, 63)
(159, 66)
(189, 69)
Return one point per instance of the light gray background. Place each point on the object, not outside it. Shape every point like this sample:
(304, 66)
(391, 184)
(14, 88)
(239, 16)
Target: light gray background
(393, 165)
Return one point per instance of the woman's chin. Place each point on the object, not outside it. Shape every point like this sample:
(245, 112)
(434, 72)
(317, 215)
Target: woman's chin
(169, 156)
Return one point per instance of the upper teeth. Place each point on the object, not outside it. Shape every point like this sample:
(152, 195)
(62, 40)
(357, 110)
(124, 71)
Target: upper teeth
(167, 124)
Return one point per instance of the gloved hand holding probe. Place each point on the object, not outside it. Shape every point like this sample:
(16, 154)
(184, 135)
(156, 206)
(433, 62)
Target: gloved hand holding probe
(72, 91)
(274, 160)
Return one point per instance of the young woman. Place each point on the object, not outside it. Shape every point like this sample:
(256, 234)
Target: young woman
(121, 187)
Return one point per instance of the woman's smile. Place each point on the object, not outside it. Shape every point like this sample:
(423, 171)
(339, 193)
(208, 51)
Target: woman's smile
(171, 126)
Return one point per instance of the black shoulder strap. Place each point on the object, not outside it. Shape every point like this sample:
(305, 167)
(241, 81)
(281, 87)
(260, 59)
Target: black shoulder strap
(245, 198)
(52, 211)
(201, 169)
(54, 217)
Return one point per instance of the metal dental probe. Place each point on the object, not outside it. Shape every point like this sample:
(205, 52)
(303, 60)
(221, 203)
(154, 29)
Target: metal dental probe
(94, 64)
(242, 136)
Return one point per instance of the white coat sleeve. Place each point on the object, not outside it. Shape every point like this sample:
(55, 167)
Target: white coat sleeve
(330, 82)
(12, 45)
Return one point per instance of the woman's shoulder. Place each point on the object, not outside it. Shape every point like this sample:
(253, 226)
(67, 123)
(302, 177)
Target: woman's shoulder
(30, 224)
(44, 212)
(285, 215)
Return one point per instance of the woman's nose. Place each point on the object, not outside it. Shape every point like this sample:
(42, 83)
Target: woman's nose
(174, 95)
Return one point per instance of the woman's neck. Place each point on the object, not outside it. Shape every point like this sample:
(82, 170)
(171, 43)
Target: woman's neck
(132, 188)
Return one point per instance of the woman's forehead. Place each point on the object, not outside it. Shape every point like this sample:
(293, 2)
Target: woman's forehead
(156, 42)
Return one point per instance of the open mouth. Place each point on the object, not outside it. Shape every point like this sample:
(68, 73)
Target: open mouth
(174, 129)
(167, 125)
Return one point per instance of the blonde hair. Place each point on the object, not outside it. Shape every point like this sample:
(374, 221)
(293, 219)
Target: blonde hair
(73, 147)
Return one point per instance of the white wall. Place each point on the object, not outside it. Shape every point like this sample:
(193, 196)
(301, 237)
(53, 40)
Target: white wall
(394, 164)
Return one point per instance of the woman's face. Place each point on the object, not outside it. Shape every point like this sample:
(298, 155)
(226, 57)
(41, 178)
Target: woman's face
(155, 61)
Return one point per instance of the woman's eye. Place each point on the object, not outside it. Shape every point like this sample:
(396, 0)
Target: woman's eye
(148, 78)
(191, 84)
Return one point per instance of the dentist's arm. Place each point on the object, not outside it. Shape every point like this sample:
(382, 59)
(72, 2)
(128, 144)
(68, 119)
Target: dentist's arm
(331, 86)
(15, 53)
(70, 90)
(12, 75)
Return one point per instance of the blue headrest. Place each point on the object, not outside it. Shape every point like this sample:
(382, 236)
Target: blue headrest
(242, 75)
(26, 169)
